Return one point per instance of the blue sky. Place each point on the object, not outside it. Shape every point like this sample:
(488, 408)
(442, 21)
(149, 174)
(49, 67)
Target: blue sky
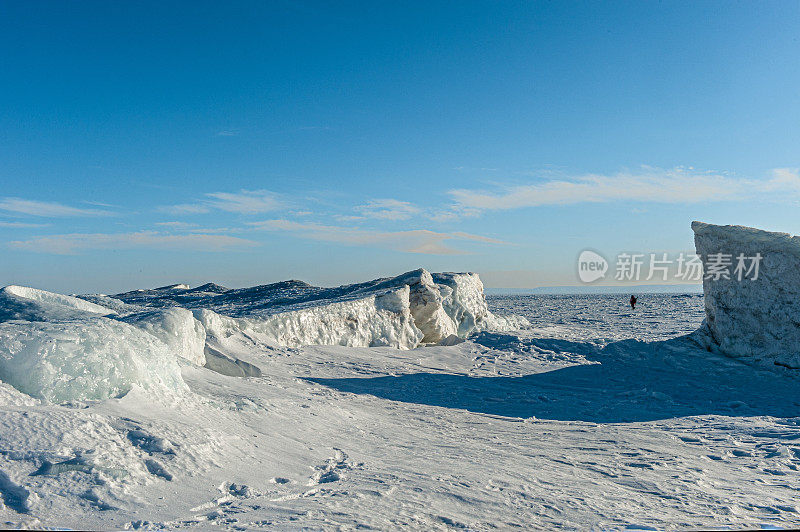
(147, 143)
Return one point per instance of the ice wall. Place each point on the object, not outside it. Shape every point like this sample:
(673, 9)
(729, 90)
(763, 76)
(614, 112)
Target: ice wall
(383, 320)
(464, 301)
(754, 318)
(403, 311)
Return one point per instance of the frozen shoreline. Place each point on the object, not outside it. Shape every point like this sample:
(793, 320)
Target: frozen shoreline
(591, 416)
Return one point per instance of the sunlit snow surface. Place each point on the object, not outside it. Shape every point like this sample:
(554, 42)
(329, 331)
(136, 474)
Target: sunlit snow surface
(596, 416)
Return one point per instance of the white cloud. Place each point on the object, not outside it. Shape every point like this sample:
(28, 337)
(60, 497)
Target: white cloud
(245, 201)
(454, 213)
(679, 185)
(242, 202)
(413, 241)
(69, 244)
(387, 209)
(47, 209)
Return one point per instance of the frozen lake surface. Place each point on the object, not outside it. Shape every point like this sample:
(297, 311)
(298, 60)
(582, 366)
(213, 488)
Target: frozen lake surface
(595, 416)
(609, 316)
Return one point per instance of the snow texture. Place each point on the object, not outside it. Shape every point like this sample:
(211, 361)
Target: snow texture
(756, 319)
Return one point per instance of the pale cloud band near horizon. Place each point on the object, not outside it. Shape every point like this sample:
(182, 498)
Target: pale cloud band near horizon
(70, 244)
(47, 209)
(679, 185)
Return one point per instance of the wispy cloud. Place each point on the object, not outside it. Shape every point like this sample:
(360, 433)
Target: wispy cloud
(177, 225)
(787, 179)
(245, 201)
(70, 244)
(388, 209)
(47, 209)
(413, 241)
(20, 225)
(227, 133)
(678, 185)
(242, 202)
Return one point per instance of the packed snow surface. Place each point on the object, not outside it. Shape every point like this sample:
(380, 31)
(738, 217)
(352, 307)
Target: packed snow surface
(756, 317)
(595, 416)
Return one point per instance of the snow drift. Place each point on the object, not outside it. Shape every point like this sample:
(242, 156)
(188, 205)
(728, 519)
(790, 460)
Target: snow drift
(62, 348)
(757, 318)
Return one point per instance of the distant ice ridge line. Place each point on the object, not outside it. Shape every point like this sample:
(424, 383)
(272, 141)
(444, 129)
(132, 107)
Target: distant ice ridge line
(753, 319)
(374, 313)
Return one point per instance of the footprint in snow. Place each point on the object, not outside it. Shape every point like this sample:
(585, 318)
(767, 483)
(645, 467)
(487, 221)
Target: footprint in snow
(332, 470)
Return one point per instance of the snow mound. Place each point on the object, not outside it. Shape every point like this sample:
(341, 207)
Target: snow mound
(92, 358)
(10, 396)
(757, 318)
(177, 328)
(31, 304)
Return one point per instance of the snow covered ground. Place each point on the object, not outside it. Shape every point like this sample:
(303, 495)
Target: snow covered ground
(594, 416)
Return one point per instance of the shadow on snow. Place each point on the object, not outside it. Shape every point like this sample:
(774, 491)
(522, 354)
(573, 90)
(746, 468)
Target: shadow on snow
(631, 381)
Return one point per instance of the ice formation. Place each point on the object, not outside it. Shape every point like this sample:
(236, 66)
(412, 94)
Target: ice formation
(402, 312)
(463, 301)
(90, 358)
(756, 318)
(177, 328)
(63, 348)
(376, 320)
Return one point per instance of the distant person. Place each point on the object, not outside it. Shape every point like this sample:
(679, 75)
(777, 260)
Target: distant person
(633, 302)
